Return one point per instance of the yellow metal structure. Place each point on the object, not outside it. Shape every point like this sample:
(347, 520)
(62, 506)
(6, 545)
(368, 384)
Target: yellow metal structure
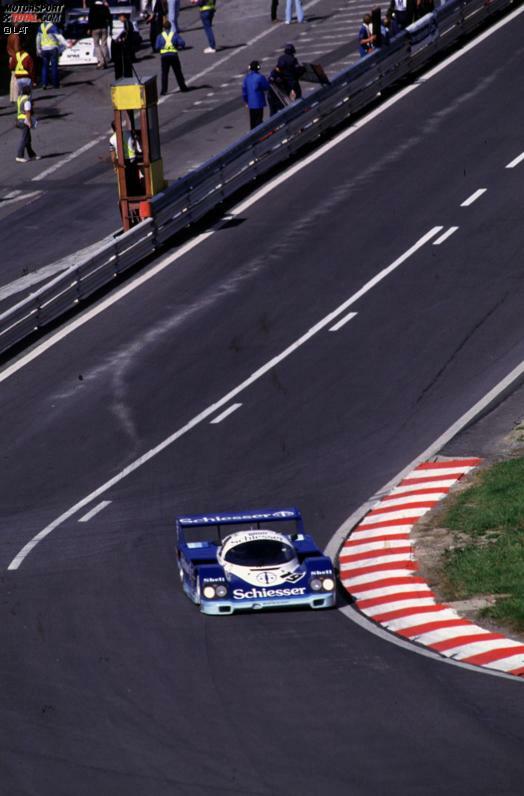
(138, 163)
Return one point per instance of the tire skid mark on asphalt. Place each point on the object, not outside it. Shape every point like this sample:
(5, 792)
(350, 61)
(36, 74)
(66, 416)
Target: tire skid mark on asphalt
(393, 595)
(221, 402)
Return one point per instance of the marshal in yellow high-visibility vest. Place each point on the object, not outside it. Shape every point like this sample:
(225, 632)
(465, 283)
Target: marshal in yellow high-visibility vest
(20, 69)
(169, 46)
(169, 59)
(20, 112)
(47, 41)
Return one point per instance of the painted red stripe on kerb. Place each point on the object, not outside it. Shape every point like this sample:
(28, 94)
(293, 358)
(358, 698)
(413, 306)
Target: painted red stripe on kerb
(494, 655)
(370, 539)
(430, 490)
(411, 565)
(384, 583)
(448, 464)
(369, 526)
(393, 598)
(403, 612)
(517, 672)
(460, 641)
(427, 627)
(422, 504)
(391, 551)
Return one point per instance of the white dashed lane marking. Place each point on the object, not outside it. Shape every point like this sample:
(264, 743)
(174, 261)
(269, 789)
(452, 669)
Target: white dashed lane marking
(342, 322)
(515, 162)
(226, 413)
(445, 236)
(473, 198)
(94, 511)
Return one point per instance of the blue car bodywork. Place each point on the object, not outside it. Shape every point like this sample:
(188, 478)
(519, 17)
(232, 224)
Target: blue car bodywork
(305, 579)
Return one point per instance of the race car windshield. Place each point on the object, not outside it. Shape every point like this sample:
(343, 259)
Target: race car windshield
(260, 553)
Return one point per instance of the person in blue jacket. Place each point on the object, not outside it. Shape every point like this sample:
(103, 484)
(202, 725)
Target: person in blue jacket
(254, 89)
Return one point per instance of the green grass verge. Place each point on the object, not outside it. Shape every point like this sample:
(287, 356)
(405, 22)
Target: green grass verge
(488, 522)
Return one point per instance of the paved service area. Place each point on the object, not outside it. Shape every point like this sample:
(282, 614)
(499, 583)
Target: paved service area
(68, 200)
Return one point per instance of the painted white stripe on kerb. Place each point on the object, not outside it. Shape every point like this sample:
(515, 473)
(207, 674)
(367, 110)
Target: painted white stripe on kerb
(343, 322)
(430, 497)
(428, 472)
(414, 619)
(94, 511)
(373, 533)
(403, 490)
(447, 633)
(381, 531)
(445, 236)
(388, 516)
(373, 562)
(515, 162)
(480, 647)
(399, 605)
(386, 591)
(226, 413)
(507, 664)
(371, 577)
(473, 198)
(366, 547)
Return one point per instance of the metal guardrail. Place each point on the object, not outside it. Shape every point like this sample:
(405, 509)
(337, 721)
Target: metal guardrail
(191, 197)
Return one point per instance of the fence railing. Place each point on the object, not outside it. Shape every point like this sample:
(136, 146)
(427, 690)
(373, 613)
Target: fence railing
(191, 197)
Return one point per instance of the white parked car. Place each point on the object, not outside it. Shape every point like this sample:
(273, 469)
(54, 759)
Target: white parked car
(82, 50)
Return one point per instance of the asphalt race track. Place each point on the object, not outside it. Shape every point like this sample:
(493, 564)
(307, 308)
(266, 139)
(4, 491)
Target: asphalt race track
(113, 683)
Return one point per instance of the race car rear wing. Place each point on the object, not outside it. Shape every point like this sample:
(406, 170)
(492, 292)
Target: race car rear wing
(257, 517)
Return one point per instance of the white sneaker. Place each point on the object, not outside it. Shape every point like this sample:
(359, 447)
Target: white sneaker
(22, 160)
(35, 157)
(209, 50)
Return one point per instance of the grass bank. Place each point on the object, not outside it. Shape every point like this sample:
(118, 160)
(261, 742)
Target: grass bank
(487, 523)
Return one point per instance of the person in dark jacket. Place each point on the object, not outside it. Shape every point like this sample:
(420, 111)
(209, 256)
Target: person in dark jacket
(100, 24)
(122, 49)
(156, 19)
(279, 94)
(254, 89)
(166, 46)
(291, 70)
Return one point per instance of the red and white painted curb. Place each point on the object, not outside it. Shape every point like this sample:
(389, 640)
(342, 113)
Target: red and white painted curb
(378, 568)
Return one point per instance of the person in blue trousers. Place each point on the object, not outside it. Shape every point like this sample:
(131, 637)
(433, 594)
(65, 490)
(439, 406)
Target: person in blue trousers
(207, 12)
(49, 44)
(254, 89)
(299, 11)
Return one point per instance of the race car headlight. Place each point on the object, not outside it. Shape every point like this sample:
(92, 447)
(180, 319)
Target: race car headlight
(220, 590)
(208, 592)
(315, 584)
(328, 584)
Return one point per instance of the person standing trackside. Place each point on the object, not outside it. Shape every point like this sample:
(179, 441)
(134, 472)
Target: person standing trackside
(122, 49)
(254, 88)
(207, 13)
(23, 68)
(14, 45)
(24, 122)
(366, 38)
(49, 44)
(169, 58)
(299, 11)
(100, 23)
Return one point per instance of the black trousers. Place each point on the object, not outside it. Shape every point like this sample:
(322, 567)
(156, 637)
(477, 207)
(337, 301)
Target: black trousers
(274, 6)
(122, 57)
(256, 115)
(171, 60)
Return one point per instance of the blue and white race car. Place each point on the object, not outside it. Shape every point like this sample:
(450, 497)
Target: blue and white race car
(252, 568)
